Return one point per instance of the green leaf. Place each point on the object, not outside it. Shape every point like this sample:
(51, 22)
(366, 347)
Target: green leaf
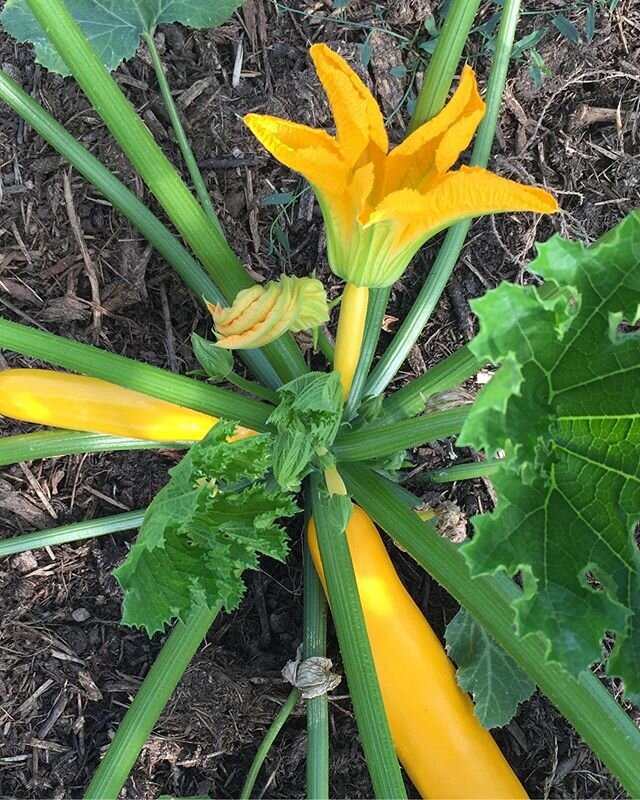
(203, 529)
(215, 361)
(398, 71)
(590, 24)
(566, 28)
(306, 421)
(565, 407)
(527, 42)
(113, 27)
(497, 683)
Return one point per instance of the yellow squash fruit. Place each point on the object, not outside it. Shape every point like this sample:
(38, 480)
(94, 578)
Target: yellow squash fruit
(79, 403)
(439, 740)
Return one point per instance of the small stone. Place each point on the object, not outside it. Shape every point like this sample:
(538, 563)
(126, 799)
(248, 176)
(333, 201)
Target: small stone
(24, 562)
(80, 614)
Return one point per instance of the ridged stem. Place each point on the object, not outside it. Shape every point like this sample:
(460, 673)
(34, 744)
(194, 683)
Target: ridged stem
(267, 741)
(45, 444)
(446, 374)
(149, 703)
(75, 532)
(448, 255)
(464, 472)
(377, 441)
(314, 644)
(444, 61)
(153, 166)
(355, 649)
(181, 136)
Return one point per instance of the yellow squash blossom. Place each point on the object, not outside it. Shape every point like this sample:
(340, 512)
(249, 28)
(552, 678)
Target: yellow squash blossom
(378, 206)
(263, 313)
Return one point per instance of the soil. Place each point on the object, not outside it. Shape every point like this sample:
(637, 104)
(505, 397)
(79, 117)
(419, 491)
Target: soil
(68, 670)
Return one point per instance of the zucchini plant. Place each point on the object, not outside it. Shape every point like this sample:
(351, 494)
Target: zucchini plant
(562, 406)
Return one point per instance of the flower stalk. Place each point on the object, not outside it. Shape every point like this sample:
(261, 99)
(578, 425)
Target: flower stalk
(351, 324)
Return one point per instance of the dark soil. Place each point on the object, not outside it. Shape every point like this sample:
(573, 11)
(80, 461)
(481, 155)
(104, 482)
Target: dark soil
(68, 670)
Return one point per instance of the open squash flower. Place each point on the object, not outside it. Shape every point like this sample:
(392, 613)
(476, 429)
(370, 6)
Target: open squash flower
(261, 314)
(378, 206)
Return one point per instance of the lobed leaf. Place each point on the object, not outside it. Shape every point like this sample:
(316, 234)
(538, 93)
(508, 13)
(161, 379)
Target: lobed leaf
(565, 406)
(488, 672)
(203, 529)
(307, 421)
(113, 27)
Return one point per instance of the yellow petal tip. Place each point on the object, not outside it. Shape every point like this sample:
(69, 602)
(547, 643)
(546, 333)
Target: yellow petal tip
(544, 202)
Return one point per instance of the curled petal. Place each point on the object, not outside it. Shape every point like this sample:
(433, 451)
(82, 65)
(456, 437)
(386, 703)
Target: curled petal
(357, 116)
(263, 313)
(313, 309)
(249, 308)
(228, 316)
(435, 146)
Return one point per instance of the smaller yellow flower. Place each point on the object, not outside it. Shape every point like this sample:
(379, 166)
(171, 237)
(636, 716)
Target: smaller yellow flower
(379, 207)
(263, 313)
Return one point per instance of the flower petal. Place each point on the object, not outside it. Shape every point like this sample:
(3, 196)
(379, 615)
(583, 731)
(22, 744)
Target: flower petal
(312, 153)
(313, 309)
(435, 146)
(467, 192)
(358, 118)
(240, 317)
(226, 315)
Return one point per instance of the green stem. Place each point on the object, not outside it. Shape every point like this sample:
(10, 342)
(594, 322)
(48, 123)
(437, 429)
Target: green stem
(148, 704)
(325, 347)
(75, 532)
(265, 746)
(355, 649)
(583, 700)
(45, 444)
(420, 313)
(181, 136)
(431, 99)
(464, 472)
(174, 253)
(154, 381)
(449, 253)
(314, 644)
(253, 388)
(444, 61)
(153, 166)
(446, 374)
(378, 300)
(376, 441)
